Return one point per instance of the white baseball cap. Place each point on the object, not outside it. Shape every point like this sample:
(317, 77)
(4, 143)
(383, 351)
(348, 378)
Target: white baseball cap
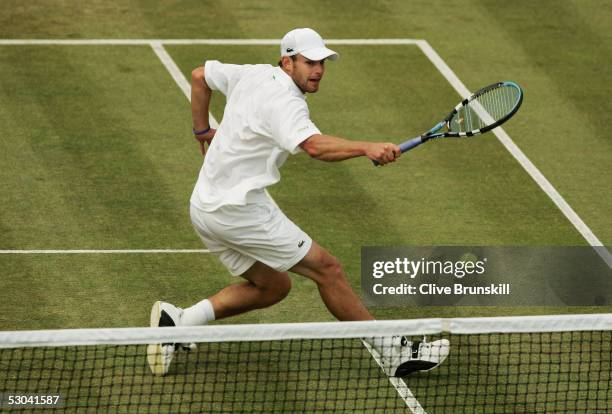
(308, 43)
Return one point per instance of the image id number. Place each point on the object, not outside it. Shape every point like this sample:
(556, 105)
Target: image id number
(21, 400)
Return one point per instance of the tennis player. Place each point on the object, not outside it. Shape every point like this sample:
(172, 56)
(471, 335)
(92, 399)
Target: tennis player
(266, 119)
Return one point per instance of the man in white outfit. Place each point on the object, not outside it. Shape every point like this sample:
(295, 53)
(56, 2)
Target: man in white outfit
(266, 119)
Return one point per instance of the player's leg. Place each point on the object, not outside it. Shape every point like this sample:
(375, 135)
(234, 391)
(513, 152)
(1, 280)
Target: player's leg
(326, 271)
(397, 355)
(264, 287)
(264, 238)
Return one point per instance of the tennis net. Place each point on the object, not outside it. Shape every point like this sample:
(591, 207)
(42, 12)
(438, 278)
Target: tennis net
(533, 364)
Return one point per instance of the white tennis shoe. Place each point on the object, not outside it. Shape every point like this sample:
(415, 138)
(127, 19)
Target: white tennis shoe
(399, 357)
(159, 356)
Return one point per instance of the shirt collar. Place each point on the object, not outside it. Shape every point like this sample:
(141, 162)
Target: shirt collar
(286, 80)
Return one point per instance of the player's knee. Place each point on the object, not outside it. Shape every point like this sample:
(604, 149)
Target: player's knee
(278, 288)
(332, 271)
(282, 287)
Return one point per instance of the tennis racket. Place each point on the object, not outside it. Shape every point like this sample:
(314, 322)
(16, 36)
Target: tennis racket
(486, 109)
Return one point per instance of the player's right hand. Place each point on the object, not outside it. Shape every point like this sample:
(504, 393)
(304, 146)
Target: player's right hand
(383, 152)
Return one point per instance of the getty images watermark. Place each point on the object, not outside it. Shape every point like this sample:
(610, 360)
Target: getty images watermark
(468, 265)
(492, 276)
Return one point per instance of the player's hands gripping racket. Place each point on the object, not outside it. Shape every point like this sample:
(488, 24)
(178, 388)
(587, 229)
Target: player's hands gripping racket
(486, 109)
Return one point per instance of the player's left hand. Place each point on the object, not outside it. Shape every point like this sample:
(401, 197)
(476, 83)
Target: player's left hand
(205, 139)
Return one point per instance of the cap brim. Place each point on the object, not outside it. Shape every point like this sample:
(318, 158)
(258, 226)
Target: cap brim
(320, 53)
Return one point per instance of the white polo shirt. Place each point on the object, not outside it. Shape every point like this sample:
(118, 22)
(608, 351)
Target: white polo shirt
(265, 119)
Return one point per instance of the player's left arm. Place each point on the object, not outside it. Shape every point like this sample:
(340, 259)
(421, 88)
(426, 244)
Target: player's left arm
(201, 95)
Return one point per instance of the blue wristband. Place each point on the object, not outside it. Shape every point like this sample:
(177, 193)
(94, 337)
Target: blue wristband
(204, 131)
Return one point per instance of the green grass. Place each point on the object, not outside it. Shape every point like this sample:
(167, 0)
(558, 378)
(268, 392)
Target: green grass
(104, 170)
(96, 150)
(82, 169)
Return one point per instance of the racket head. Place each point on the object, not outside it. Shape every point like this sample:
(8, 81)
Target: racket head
(486, 109)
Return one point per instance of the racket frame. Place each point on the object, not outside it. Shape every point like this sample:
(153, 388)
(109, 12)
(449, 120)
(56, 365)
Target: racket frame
(445, 124)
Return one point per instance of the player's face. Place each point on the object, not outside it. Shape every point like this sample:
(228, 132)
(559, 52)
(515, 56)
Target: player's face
(306, 73)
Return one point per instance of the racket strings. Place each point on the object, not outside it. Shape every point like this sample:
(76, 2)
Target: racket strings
(486, 109)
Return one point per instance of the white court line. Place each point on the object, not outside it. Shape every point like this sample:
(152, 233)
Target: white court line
(398, 383)
(82, 251)
(400, 386)
(228, 42)
(177, 75)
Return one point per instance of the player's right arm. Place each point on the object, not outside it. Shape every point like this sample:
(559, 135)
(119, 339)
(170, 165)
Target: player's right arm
(330, 148)
(201, 94)
(292, 128)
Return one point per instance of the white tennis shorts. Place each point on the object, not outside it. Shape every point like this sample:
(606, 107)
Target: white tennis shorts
(242, 235)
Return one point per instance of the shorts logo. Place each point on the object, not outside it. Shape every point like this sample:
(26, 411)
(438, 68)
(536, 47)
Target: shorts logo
(301, 243)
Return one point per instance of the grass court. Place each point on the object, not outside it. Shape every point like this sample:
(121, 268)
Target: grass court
(96, 151)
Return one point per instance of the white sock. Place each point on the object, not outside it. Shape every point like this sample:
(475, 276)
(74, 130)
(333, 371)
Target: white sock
(199, 314)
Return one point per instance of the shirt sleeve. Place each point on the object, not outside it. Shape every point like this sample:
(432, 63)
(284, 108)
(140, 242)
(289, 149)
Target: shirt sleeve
(291, 125)
(222, 76)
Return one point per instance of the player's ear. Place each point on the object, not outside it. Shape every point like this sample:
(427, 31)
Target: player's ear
(286, 63)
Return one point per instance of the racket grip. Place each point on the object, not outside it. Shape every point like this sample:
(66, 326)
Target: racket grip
(405, 146)
(408, 145)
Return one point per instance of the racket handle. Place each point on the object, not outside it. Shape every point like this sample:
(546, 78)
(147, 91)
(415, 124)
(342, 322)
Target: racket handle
(405, 146)
(408, 145)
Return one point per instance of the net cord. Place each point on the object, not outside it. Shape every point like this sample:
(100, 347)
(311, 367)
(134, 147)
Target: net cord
(319, 330)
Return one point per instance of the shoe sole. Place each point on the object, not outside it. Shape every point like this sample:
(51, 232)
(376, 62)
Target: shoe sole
(410, 367)
(154, 351)
(155, 315)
